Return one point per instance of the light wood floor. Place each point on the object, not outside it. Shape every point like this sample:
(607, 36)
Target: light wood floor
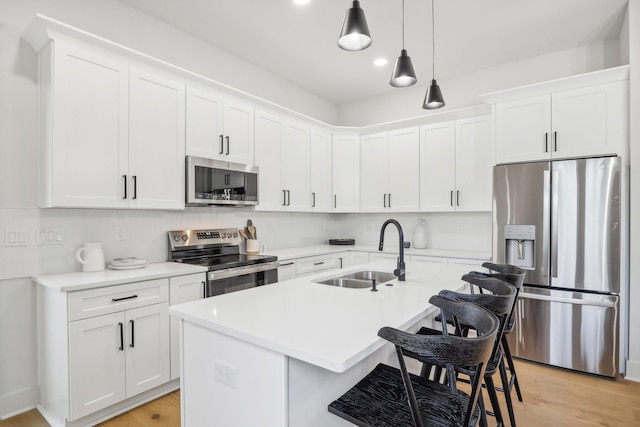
(552, 397)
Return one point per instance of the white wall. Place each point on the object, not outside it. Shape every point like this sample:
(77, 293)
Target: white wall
(464, 91)
(633, 362)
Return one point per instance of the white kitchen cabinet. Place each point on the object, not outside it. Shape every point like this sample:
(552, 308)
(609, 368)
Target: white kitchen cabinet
(356, 258)
(586, 119)
(376, 256)
(320, 171)
(218, 127)
(287, 270)
(118, 344)
(282, 154)
(111, 135)
(389, 171)
(456, 165)
(182, 289)
(476, 263)
(345, 154)
(428, 259)
(156, 141)
(315, 264)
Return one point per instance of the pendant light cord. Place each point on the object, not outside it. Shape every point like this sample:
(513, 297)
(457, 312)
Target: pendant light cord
(402, 24)
(433, 40)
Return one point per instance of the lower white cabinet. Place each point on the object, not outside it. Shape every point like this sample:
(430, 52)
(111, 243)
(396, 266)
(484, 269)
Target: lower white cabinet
(315, 264)
(101, 346)
(287, 270)
(182, 289)
(356, 258)
(428, 259)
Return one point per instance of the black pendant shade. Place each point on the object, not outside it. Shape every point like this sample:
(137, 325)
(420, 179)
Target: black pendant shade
(403, 73)
(355, 31)
(433, 99)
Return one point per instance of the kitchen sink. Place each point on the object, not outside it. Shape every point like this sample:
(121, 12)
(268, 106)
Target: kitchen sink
(378, 276)
(359, 279)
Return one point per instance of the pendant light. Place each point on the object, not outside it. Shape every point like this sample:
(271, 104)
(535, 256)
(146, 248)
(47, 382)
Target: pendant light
(433, 98)
(355, 31)
(403, 73)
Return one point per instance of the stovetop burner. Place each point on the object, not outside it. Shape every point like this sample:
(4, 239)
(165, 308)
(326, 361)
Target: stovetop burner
(215, 249)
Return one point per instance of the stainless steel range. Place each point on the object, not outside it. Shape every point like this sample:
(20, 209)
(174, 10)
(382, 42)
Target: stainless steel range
(219, 251)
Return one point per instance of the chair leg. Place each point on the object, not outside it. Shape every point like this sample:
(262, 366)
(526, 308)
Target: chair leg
(483, 412)
(493, 397)
(507, 393)
(512, 368)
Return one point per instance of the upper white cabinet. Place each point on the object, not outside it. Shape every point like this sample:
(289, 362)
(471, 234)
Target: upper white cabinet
(574, 117)
(320, 171)
(282, 154)
(112, 136)
(346, 172)
(389, 171)
(218, 128)
(456, 165)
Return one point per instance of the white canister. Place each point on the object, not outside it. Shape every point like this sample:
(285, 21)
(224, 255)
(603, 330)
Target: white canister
(253, 246)
(91, 256)
(420, 235)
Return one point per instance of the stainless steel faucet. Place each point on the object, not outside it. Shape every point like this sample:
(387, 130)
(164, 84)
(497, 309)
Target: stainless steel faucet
(399, 271)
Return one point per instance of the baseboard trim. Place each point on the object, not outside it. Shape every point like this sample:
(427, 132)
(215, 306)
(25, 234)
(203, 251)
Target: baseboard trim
(18, 402)
(633, 370)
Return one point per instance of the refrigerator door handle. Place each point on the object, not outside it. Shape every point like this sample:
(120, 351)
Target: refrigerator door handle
(568, 300)
(545, 226)
(554, 224)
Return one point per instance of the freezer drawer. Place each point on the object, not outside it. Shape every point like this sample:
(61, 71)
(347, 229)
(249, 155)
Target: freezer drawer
(571, 330)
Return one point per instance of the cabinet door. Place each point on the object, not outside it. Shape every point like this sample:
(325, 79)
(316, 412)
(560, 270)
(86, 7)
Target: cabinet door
(287, 271)
(96, 363)
(320, 171)
(156, 142)
(346, 173)
(428, 259)
(238, 132)
(437, 167)
(269, 131)
(356, 258)
(404, 170)
(374, 192)
(84, 159)
(147, 348)
(474, 160)
(588, 121)
(523, 129)
(182, 289)
(204, 124)
(295, 168)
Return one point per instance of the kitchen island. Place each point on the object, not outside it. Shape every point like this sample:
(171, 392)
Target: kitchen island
(277, 355)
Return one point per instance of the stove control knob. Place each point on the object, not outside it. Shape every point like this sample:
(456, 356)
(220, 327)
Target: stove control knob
(185, 237)
(223, 235)
(235, 234)
(176, 238)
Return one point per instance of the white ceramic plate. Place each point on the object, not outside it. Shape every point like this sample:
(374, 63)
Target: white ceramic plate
(126, 267)
(129, 262)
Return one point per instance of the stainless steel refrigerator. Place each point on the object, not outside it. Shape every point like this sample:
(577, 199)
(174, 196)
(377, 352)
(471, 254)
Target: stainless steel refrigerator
(560, 222)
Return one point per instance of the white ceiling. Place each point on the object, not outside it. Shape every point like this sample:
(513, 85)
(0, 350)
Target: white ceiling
(298, 43)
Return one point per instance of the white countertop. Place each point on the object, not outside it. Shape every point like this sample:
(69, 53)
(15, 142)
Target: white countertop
(299, 252)
(327, 326)
(67, 282)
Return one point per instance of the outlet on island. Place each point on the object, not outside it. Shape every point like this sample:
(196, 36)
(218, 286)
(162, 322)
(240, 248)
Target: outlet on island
(225, 373)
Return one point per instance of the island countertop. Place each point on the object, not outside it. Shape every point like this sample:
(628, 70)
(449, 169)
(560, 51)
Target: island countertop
(327, 326)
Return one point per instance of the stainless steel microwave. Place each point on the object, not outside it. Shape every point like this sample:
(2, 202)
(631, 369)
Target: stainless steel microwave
(217, 182)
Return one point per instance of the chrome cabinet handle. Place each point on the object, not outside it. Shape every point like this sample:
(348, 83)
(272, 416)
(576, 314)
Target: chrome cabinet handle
(124, 178)
(546, 142)
(389, 199)
(135, 187)
(384, 197)
(318, 263)
(335, 201)
(221, 144)
(313, 203)
(284, 197)
(555, 141)
(132, 323)
(288, 198)
(227, 138)
(451, 198)
(457, 197)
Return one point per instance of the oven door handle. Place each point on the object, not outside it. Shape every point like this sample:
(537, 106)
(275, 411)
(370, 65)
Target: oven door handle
(241, 271)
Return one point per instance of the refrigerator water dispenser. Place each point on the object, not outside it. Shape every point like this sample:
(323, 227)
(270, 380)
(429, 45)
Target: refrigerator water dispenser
(520, 243)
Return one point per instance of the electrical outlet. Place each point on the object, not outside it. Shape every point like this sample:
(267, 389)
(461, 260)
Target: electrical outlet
(459, 228)
(119, 234)
(224, 373)
(16, 237)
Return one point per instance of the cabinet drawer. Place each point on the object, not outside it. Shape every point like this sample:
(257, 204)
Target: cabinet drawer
(317, 263)
(111, 299)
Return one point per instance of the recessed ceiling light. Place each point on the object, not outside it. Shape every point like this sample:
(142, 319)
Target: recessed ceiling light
(380, 62)
(301, 1)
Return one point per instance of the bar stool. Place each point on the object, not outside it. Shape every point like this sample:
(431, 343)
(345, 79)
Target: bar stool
(499, 302)
(391, 397)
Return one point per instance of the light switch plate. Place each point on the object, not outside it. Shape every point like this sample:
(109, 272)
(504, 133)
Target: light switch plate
(16, 237)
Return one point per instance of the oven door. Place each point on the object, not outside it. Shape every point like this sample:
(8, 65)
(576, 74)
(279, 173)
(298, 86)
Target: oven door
(237, 279)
